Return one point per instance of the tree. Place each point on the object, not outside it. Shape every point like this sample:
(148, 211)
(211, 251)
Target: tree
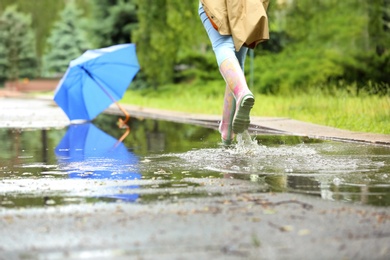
(112, 22)
(67, 40)
(379, 25)
(17, 46)
(43, 13)
(167, 29)
(329, 41)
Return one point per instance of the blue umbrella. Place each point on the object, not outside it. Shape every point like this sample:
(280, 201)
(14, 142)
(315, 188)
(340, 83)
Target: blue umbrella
(86, 152)
(95, 80)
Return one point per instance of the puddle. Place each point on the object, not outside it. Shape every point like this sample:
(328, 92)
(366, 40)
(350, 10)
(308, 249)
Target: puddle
(167, 161)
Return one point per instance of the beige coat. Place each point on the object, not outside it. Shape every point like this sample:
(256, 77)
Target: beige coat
(245, 20)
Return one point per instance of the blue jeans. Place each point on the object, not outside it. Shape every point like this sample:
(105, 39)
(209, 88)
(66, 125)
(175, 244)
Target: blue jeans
(223, 45)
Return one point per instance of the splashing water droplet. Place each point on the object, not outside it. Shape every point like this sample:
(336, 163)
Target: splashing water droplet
(337, 181)
(245, 144)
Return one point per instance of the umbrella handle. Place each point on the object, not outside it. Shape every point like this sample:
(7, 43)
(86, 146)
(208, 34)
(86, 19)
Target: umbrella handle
(121, 121)
(125, 134)
(122, 124)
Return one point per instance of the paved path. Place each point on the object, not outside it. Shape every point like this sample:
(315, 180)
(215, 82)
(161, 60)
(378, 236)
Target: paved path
(232, 226)
(19, 112)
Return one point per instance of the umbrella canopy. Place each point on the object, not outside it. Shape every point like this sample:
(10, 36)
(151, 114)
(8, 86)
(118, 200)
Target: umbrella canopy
(95, 80)
(86, 152)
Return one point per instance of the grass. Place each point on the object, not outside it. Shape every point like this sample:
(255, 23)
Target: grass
(362, 113)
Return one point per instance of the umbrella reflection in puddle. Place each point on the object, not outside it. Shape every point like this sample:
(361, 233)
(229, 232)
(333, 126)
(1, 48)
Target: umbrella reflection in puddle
(86, 152)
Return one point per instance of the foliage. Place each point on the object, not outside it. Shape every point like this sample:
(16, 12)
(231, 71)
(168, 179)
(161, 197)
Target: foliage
(166, 29)
(326, 41)
(295, 69)
(112, 22)
(196, 65)
(17, 46)
(314, 44)
(43, 14)
(370, 71)
(67, 40)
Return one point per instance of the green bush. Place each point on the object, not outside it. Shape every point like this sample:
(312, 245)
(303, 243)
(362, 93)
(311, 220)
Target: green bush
(295, 69)
(197, 66)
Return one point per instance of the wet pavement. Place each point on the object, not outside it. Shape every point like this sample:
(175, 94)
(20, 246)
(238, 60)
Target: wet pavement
(31, 113)
(224, 218)
(233, 226)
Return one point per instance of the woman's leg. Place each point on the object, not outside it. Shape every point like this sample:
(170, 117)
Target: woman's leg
(241, 55)
(238, 99)
(223, 45)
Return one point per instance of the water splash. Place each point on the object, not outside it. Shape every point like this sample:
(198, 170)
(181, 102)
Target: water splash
(246, 145)
(248, 156)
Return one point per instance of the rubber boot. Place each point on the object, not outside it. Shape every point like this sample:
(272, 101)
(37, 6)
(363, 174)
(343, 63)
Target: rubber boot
(229, 108)
(235, 80)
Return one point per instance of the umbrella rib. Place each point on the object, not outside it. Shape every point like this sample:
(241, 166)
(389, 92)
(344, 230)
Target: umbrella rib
(96, 76)
(97, 83)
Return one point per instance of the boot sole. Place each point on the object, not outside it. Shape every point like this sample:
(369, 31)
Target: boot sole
(241, 120)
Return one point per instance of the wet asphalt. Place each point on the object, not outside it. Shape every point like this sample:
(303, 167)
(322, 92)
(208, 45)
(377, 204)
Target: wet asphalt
(241, 223)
